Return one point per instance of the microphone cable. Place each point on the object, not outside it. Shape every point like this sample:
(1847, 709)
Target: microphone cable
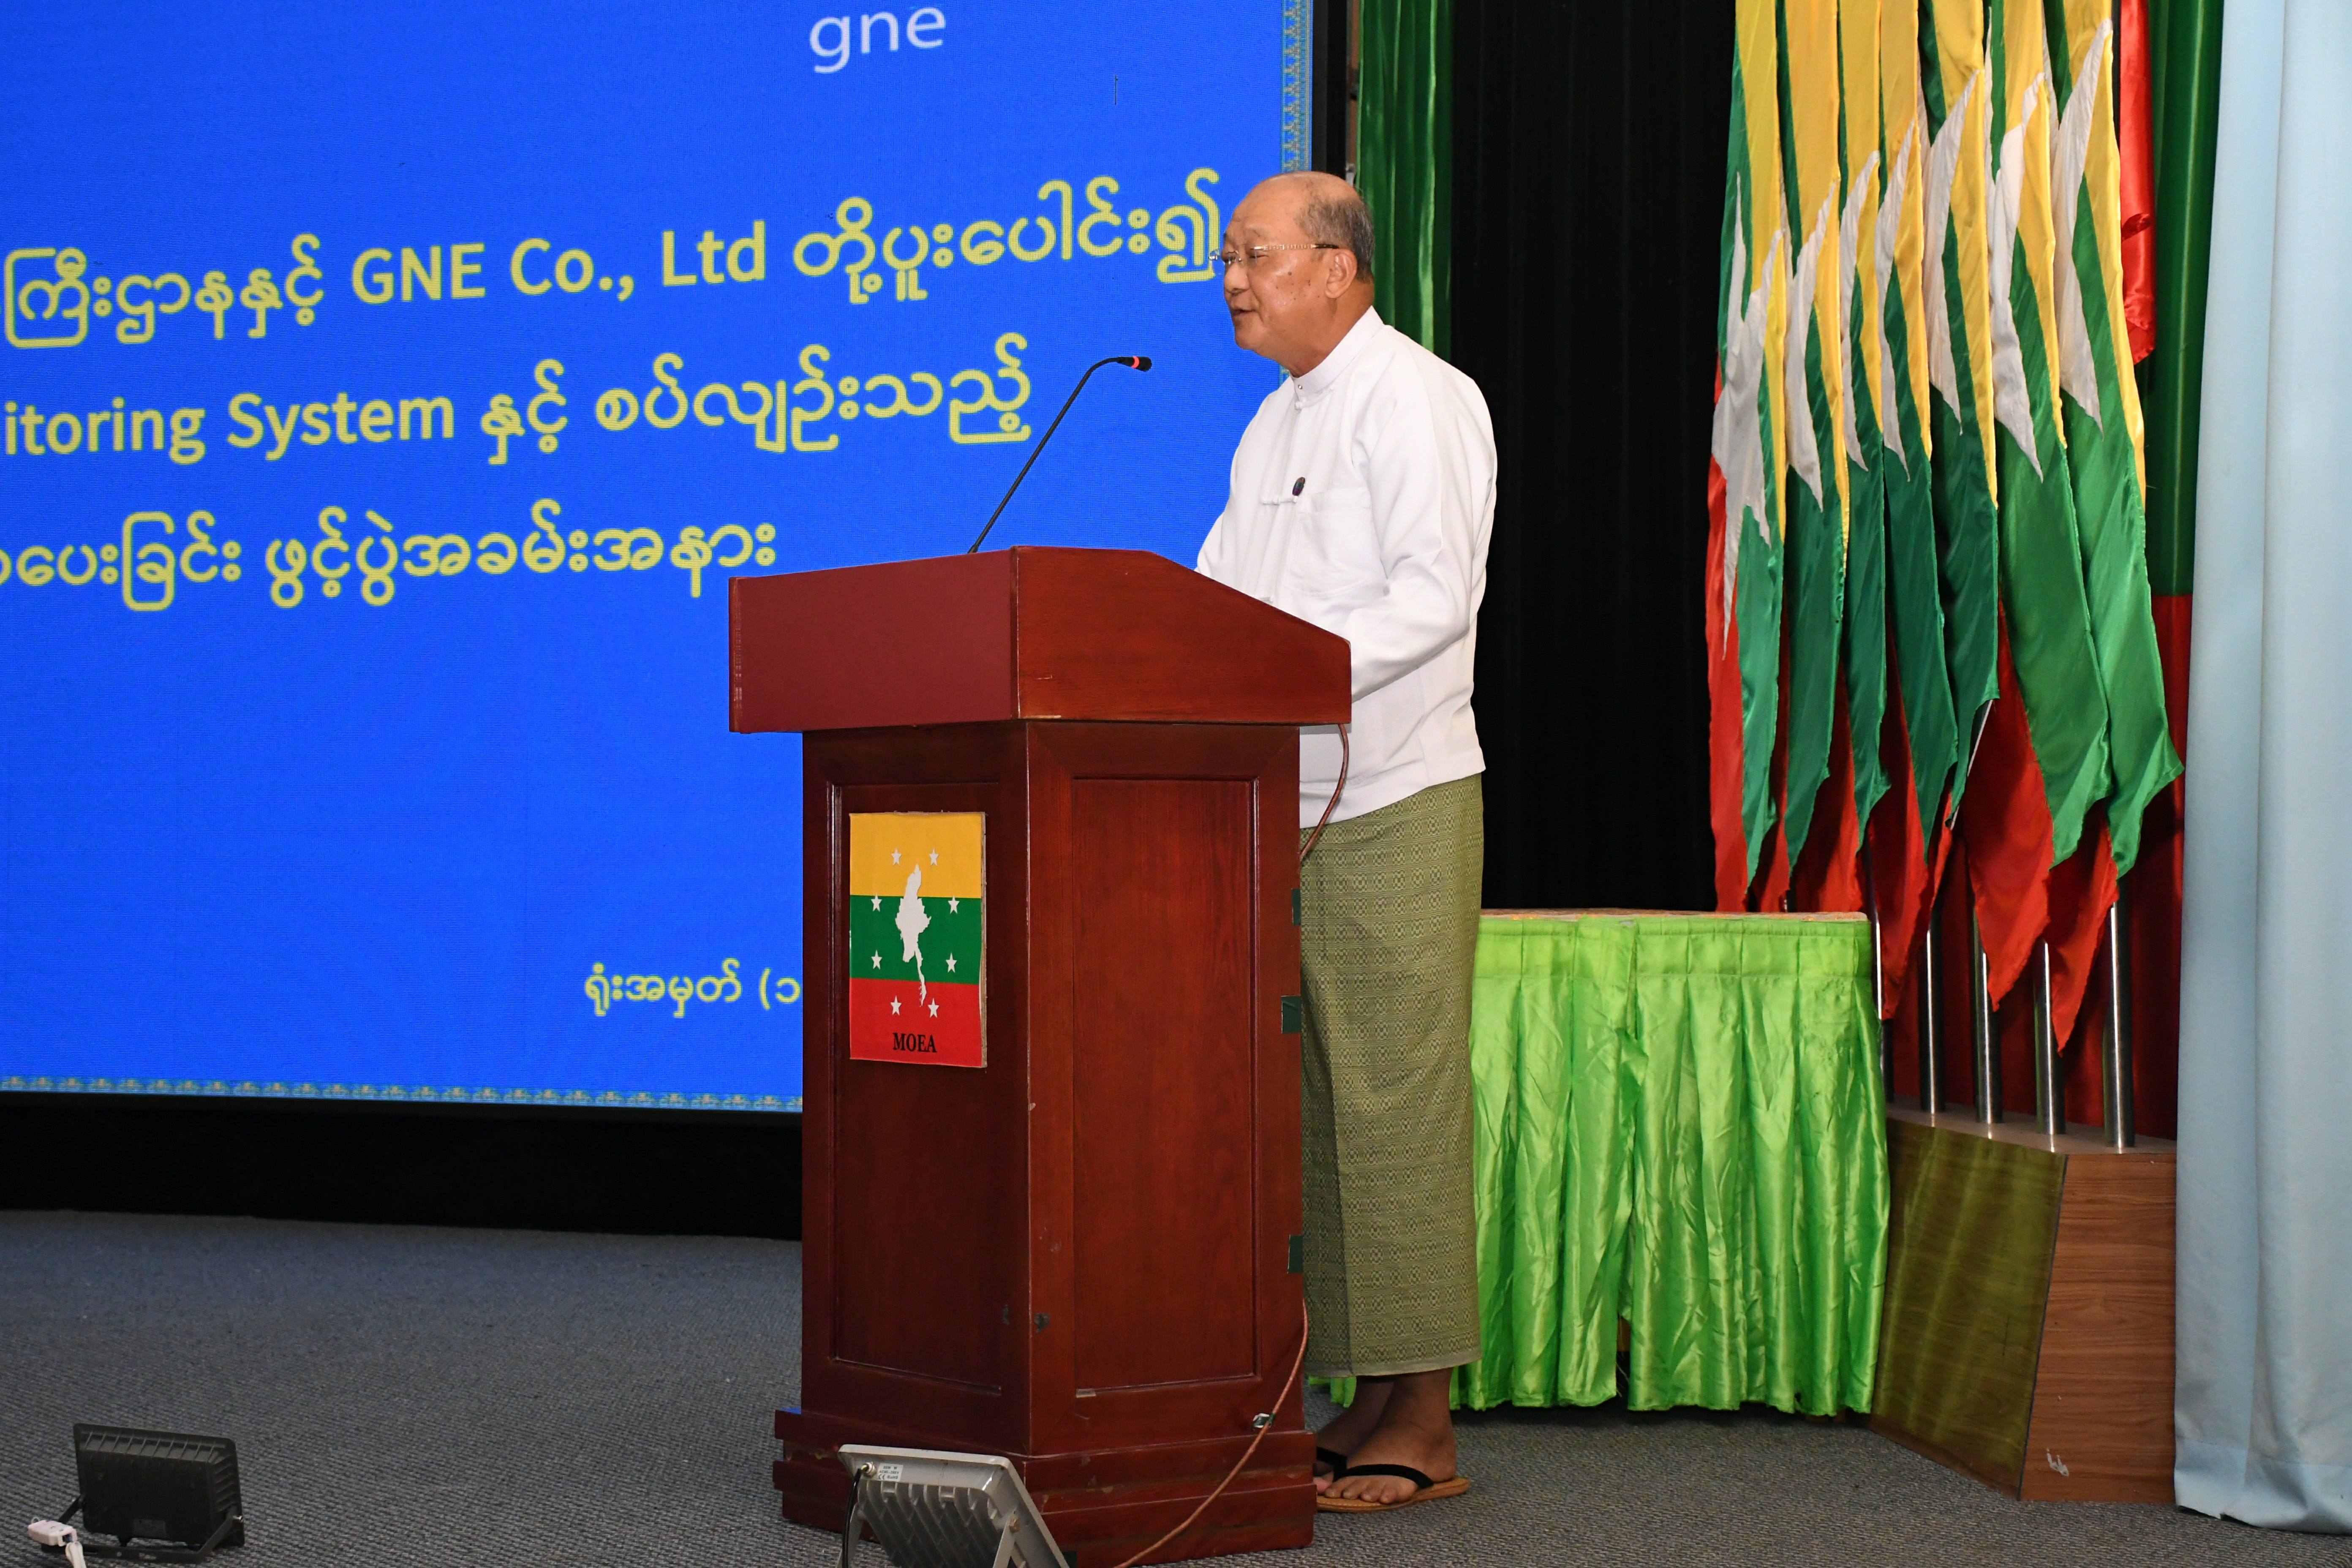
(1331, 806)
(1263, 1423)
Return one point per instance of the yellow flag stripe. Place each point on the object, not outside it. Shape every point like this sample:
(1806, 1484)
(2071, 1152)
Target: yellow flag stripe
(947, 847)
(2103, 178)
(1905, 139)
(1768, 249)
(1858, 49)
(1961, 57)
(2031, 107)
(1813, 124)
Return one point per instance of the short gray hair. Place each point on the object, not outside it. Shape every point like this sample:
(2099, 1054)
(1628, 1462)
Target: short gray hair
(1335, 215)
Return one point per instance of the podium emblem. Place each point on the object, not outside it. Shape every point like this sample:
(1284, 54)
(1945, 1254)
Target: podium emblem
(918, 887)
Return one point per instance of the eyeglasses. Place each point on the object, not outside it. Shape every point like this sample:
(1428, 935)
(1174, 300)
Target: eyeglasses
(1250, 257)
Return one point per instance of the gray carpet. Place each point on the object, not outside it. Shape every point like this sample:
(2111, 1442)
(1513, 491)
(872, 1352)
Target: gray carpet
(434, 1397)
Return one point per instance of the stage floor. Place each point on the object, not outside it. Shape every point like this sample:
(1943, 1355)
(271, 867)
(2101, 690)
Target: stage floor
(434, 1397)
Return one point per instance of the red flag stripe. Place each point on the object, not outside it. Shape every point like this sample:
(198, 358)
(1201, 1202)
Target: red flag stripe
(1828, 877)
(2005, 816)
(2137, 146)
(1726, 745)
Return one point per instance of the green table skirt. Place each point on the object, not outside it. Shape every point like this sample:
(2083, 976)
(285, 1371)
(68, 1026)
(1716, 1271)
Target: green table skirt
(1680, 1123)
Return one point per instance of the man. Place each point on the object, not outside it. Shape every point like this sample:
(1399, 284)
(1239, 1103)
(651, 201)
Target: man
(1364, 493)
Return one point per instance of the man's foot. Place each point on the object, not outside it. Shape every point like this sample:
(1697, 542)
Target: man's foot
(1353, 1425)
(1415, 1429)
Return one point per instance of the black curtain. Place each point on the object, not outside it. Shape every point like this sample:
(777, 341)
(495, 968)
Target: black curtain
(1588, 206)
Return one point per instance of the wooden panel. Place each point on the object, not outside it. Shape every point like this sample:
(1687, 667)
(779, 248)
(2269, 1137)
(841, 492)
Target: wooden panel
(908, 642)
(1162, 1081)
(915, 1214)
(1970, 1235)
(2103, 1405)
(914, 1299)
(1066, 758)
(1122, 634)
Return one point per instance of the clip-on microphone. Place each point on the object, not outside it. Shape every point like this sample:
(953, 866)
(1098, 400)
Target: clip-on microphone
(1133, 361)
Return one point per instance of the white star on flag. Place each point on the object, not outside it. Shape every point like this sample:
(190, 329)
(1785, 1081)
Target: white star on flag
(935, 1009)
(951, 906)
(934, 857)
(877, 961)
(951, 964)
(894, 1003)
(878, 901)
(894, 856)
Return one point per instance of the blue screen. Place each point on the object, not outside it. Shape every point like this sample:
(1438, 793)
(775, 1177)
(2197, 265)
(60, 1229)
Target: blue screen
(390, 396)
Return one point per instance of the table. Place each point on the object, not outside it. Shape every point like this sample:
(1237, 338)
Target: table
(1681, 1124)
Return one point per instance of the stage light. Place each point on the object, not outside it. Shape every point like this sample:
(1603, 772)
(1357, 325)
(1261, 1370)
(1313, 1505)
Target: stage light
(174, 1490)
(932, 1509)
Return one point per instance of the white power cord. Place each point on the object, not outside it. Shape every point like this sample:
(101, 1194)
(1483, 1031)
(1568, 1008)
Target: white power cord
(50, 1533)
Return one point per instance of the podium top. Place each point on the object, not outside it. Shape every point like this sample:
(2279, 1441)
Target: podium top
(1025, 633)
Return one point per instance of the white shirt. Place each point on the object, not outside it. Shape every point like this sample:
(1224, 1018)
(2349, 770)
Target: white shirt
(1363, 494)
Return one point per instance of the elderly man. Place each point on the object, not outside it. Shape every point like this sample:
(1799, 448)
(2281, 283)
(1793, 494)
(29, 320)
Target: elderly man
(1362, 496)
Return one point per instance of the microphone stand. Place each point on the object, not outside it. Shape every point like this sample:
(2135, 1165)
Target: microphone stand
(1133, 361)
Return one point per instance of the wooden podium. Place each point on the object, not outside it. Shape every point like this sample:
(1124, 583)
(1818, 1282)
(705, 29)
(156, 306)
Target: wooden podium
(1080, 1255)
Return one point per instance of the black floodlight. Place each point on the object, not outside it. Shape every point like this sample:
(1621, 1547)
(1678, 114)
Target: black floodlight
(931, 1509)
(175, 1490)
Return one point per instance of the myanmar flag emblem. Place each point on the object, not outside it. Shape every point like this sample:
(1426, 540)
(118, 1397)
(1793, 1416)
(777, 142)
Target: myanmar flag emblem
(916, 959)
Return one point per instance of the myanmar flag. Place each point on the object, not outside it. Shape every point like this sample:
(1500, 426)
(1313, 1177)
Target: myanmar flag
(1865, 402)
(1815, 373)
(1956, 93)
(2105, 439)
(1746, 453)
(2063, 771)
(916, 959)
(1924, 747)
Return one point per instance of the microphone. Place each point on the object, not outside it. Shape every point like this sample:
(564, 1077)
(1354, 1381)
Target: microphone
(1132, 362)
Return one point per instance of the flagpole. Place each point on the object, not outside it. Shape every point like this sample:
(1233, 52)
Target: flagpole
(2116, 1042)
(1931, 1014)
(1987, 1047)
(1878, 978)
(2049, 1085)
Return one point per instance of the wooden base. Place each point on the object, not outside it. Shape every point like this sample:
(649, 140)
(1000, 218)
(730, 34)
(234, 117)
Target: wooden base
(1102, 1507)
(2027, 1339)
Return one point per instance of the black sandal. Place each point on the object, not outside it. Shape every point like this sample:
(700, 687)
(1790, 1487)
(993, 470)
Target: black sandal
(1336, 1461)
(1426, 1490)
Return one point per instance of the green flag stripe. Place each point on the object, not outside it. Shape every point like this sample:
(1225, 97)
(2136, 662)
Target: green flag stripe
(873, 935)
(1914, 601)
(2114, 537)
(2048, 615)
(1966, 526)
(1865, 577)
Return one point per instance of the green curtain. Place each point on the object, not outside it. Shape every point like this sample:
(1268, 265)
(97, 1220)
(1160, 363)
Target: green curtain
(1679, 1121)
(1404, 161)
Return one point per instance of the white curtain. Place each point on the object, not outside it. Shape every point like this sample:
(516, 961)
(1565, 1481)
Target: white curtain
(2264, 1409)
